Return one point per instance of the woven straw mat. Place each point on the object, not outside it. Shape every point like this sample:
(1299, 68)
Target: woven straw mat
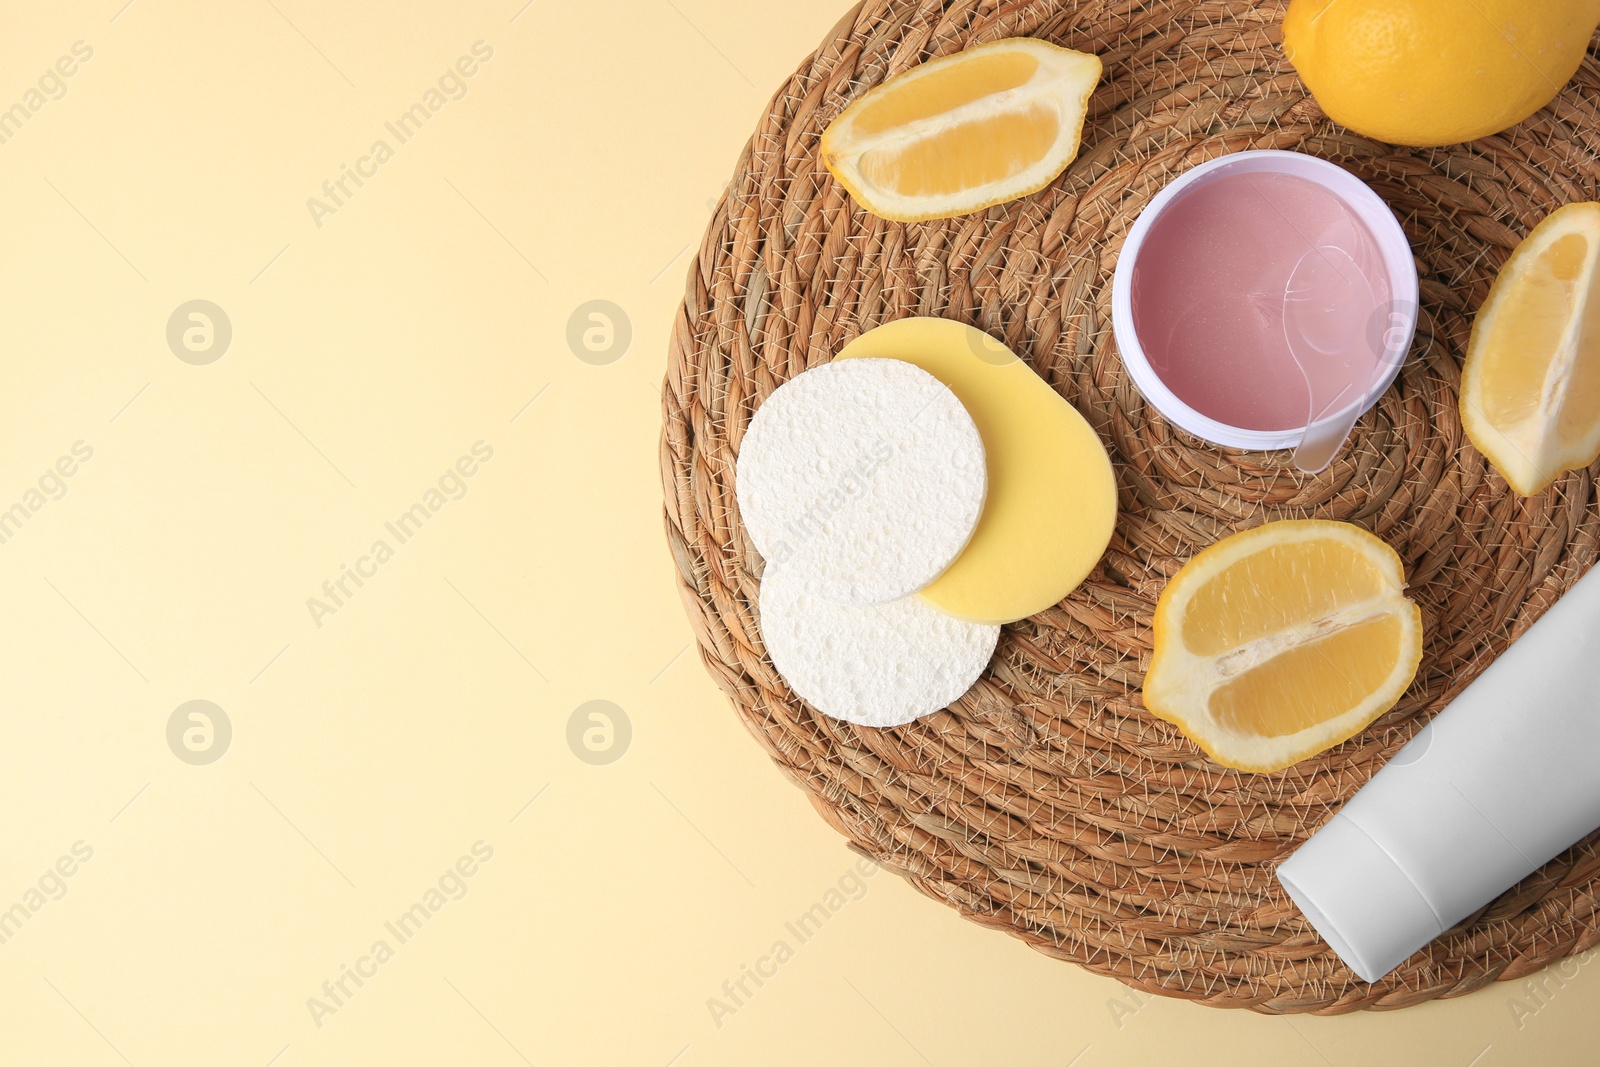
(1047, 802)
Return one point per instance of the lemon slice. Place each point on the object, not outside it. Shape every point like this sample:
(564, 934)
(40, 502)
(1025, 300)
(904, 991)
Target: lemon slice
(961, 133)
(1277, 643)
(1530, 387)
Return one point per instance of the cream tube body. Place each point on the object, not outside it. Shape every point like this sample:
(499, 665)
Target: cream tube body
(1503, 780)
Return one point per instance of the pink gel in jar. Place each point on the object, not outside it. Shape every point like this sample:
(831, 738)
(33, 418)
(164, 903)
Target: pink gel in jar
(1216, 263)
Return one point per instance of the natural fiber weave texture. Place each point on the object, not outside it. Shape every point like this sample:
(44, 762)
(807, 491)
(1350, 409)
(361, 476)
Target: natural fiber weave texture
(1047, 802)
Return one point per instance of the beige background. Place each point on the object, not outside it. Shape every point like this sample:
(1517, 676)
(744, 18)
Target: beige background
(371, 752)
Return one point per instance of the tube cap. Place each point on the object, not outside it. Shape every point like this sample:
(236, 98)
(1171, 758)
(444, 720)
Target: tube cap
(1358, 898)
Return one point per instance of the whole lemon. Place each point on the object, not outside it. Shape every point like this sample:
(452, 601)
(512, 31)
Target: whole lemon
(1436, 72)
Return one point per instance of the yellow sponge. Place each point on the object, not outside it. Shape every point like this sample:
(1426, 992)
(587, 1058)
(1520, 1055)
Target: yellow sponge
(1052, 500)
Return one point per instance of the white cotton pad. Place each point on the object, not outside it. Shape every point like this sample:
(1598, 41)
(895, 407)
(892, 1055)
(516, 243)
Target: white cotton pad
(863, 479)
(873, 665)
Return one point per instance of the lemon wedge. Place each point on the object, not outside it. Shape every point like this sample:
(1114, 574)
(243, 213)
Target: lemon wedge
(964, 132)
(1280, 642)
(1530, 387)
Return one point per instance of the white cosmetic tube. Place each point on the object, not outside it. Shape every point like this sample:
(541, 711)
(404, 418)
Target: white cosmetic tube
(1502, 781)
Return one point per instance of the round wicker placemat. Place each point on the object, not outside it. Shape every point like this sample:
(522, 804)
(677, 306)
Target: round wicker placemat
(1047, 802)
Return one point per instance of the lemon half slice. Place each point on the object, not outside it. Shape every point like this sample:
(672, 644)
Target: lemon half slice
(961, 133)
(1530, 387)
(1279, 642)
